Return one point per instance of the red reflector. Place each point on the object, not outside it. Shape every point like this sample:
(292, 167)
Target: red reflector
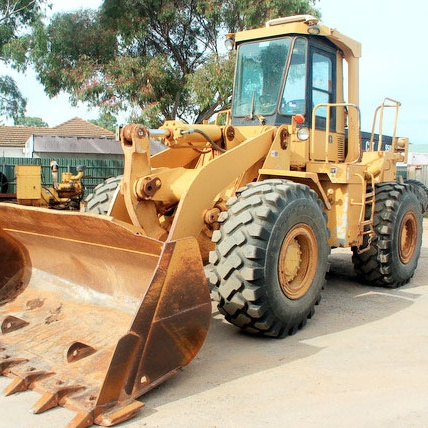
(299, 118)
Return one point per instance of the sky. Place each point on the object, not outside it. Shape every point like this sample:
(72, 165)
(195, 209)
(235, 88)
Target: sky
(57, 110)
(394, 63)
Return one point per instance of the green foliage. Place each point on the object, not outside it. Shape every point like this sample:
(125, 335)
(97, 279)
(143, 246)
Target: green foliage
(12, 102)
(16, 18)
(71, 52)
(239, 15)
(31, 121)
(106, 121)
(210, 85)
(156, 58)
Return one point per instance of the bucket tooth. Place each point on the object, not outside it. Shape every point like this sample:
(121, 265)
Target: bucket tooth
(17, 385)
(12, 323)
(81, 420)
(23, 382)
(6, 362)
(79, 350)
(120, 413)
(53, 399)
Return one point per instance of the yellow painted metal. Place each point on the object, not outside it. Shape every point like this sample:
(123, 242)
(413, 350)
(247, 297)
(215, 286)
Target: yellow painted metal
(177, 138)
(136, 148)
(349, 46)
(29, 182)
(296, 269)
(213, 178)
(407, 236)
(196, 187)
(329, 146)
(278, 157)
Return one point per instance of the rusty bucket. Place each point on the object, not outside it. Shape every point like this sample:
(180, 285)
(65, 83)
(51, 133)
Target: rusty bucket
(92, 313)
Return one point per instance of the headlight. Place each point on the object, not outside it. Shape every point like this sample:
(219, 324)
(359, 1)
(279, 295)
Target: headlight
(303, 134)
(229, 43)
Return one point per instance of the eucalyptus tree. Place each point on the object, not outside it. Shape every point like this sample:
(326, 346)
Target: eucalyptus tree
(159, 59)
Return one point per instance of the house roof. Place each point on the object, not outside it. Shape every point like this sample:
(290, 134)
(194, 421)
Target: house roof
(16, 136)
(81, 128)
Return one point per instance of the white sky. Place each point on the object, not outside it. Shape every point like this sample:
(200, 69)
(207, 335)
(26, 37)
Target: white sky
(394, 62)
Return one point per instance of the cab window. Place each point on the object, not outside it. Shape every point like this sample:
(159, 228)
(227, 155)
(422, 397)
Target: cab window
(322, 82)
(259, 72)
(294, 96)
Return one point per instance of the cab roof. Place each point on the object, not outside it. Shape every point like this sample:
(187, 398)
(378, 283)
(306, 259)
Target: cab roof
(300, 24)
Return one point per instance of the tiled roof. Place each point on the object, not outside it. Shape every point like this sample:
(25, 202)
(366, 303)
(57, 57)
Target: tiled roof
(17, 136)
(81, 128)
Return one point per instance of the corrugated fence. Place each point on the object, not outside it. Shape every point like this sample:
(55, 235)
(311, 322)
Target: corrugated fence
(97, 170)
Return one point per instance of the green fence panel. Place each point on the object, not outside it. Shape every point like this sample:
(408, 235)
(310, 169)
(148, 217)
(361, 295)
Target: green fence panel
(97, 170)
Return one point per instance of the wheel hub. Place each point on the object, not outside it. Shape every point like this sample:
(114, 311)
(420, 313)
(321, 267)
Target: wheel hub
(297, 261)
(407, 237)
(293, 258)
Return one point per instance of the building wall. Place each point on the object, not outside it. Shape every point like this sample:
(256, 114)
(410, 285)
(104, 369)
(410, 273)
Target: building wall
(11, 152)
(51, 146)
(418, 172)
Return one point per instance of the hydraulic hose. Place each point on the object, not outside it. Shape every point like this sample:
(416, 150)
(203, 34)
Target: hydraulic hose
(206, 136)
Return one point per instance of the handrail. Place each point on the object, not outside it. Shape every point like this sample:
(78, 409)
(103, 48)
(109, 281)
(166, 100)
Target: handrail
(328, 106)
(394, 104)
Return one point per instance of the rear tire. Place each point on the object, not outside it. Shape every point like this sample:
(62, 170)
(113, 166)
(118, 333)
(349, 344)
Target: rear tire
(99, 202)
(270, 260)
(421, 192)
(393, 255)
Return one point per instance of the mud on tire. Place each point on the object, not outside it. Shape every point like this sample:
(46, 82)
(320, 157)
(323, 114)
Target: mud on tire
(394, 251)
(270, 260)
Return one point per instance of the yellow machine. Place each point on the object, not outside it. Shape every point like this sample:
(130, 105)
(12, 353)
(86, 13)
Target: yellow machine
(96, 310)
(65, 195)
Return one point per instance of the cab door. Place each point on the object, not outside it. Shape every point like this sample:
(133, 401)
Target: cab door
(322, 90)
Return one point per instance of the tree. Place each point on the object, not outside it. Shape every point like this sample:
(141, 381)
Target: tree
(31, 121)
(159, 58)
(16, 17)
(106, 121)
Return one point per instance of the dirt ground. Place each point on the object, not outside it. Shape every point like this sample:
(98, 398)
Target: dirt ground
(362, 361)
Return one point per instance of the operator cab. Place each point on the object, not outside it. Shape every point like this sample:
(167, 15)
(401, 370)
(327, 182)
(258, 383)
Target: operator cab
(278, 78)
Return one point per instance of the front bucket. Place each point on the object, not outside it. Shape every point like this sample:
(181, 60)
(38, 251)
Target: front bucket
(92, 314)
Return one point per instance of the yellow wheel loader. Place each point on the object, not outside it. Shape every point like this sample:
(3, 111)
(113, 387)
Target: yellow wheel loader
(96, 310)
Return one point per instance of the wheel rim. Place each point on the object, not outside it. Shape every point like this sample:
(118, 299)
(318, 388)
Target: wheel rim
(407, 237)
(297, 261)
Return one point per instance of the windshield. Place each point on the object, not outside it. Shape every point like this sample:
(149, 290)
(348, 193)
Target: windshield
(259, 74)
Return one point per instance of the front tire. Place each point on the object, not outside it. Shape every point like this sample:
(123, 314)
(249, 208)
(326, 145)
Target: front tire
(270, 260)
(100, 200)
(394, 252)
